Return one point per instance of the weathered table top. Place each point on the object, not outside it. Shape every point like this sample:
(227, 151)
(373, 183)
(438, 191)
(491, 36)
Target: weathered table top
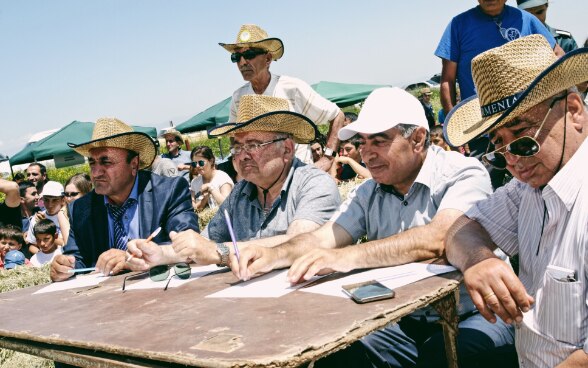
(105, 326)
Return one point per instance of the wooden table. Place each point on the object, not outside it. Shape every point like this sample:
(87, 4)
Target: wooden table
(104, 327)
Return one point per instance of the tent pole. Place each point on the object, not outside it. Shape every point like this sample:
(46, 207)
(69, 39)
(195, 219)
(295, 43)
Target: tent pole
(220, 148)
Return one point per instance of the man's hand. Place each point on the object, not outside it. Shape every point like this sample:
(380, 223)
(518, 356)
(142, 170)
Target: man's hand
(145, 255)
(319, 262)
(60, 266)
(324, 163)
(191, 246)
(496, 290)
(41, 215)
(254, 261)
(111, 262)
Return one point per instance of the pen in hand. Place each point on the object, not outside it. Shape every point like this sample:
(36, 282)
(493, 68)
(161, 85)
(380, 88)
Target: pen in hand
(149, 238)
(232, 233)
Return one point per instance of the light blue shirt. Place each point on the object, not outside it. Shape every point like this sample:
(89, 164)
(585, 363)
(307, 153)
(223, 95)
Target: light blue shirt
(130, 218)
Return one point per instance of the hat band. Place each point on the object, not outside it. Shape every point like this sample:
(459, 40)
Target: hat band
(500, 105)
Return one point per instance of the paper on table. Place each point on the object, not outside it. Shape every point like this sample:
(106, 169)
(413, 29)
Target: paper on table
(271, 285)
(391, 277)
(197, 272)
(79, 281)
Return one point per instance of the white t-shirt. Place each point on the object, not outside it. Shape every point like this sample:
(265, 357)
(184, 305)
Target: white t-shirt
(220, 178)
(33, 220)
(39, 259)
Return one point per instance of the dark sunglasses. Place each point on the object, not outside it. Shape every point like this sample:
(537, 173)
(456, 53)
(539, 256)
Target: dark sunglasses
(247, 54)
(161, 272)
(523, 147)
(70, 194)
(200, 163)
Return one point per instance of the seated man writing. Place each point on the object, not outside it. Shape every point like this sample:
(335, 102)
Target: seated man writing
(416, 192)
(280, 196)
(126, 202)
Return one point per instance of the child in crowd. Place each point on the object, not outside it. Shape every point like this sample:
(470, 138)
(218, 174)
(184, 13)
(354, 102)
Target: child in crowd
(11, 239)
(46, 233)
(53, 197)
(348, 164)
(437, 138)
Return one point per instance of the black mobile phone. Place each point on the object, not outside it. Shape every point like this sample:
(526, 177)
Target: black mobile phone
(368, 291)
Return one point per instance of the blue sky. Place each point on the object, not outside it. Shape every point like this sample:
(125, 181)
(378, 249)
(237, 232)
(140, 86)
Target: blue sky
(148, 62)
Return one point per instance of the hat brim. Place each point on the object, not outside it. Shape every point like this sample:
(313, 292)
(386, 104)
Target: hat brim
(299, 126)
(465, 121)
(138, 142)
(273, 45)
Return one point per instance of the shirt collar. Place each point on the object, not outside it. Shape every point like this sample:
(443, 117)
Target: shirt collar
(566, 184)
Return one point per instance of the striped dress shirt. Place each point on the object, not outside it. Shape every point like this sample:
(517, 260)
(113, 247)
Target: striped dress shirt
(515, 216)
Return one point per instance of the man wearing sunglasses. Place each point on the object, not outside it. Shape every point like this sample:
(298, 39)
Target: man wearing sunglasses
(528, 104)
(253, 52)
(278, 198)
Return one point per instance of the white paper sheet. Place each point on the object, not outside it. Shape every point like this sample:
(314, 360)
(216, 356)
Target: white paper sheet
(197, 272)
(78, 281)
(391, 277)
(271, 285)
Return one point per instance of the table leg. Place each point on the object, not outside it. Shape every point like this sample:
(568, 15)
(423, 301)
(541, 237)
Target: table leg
(447, 309)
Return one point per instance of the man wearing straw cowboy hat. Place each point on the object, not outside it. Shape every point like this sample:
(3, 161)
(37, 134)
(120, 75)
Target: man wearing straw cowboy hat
(126, 202)
(528, 105)
(416, 192)
(253, 52)
(278, 198)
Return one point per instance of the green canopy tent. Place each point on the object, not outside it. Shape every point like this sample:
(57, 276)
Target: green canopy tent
(214, 115)
(55, 146)
(343, 94)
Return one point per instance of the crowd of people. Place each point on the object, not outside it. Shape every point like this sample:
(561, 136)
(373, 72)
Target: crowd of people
(427, 188)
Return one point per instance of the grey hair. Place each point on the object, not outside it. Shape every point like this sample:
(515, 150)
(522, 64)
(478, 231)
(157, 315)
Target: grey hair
(406, 131)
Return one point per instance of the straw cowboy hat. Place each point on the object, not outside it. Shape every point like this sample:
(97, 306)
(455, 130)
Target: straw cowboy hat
(268, 114)
(251, 35)
(174, 133)
(111, 132)
(510, 80)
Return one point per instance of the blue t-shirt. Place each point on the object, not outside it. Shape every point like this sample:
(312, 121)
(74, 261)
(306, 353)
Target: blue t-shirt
(473, 32)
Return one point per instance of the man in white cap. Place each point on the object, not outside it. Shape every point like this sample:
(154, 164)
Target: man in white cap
(416, 192)
(538, 122)
(539, 9)
(278, 198)
(253, 52)
(126, 202)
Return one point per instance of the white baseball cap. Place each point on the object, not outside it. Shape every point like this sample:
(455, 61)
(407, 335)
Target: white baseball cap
(52, 189)
(384, 109)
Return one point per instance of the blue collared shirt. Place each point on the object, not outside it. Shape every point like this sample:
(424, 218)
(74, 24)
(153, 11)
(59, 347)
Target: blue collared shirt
(130, 218)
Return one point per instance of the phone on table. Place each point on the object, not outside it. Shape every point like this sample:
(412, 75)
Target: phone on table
(368, 291)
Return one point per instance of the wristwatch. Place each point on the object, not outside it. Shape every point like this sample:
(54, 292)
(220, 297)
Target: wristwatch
(329, 152)
(223, 252)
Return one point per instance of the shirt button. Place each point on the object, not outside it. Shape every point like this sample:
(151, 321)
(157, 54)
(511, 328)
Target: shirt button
(405, 203)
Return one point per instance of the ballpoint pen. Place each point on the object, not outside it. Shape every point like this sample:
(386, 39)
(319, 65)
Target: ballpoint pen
(149, 238)
(232, 233)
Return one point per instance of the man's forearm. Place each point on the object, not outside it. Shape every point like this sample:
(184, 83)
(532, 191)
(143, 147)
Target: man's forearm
(334, 126)
(468, 243)
(577, 359)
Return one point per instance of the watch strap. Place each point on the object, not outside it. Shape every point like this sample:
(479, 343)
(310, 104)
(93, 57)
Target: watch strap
(329, 152)
(223, 252)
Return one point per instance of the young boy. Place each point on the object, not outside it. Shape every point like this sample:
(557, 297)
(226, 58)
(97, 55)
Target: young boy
(10, 239)
(53, 197)
(46, 233)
